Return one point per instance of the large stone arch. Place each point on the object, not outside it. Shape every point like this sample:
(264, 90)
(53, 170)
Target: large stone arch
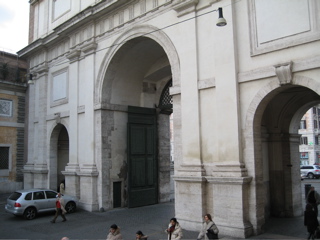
(140, 31)
(255, 147)
(111, 114)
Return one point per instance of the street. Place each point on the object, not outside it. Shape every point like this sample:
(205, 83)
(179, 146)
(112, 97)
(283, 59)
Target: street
(151, 220)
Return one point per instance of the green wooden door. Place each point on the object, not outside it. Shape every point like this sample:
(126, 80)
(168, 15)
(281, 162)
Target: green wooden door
(142, 157)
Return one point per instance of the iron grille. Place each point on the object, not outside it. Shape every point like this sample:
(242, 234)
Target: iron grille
(165, 103)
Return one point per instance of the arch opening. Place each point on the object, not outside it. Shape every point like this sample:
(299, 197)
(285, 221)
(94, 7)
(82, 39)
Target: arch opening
(59, 155)
(133, 83)
(276, 151)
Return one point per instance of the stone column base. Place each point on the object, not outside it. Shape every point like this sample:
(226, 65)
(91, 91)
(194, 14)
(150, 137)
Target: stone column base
(88, 188)
(189, 201)
(231, 205)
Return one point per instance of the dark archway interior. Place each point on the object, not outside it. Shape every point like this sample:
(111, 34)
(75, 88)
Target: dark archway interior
(280, 144)
(135, 77)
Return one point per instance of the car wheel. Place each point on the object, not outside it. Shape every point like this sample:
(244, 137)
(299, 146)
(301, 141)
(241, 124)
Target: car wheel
(310, 175)
(30, 213)
(71, 207)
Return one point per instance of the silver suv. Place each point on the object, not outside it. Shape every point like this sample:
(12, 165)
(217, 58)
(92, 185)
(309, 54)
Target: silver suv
(32, 201)
(310, 171)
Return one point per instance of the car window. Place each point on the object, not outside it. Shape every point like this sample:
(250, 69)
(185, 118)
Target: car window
(28, 196)
(38, 195)
(310, 167)
(317, 167)
(51, 194)
(14, 196)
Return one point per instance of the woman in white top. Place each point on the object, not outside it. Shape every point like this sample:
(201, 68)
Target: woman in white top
(209, 229)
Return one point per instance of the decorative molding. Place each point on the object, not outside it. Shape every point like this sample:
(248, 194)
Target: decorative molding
(81, 109)
(111, 107)
(57, 118)
(229, 180)
(206, 83)
(183, 7)
(74, 55)
(40, 70)
(188, 179)
(175, 90)
(88, 170)
(89, 48)
(284, 73)
(229, 169)
(269, 71)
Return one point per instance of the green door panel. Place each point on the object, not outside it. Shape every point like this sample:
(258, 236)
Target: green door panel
(142, 157)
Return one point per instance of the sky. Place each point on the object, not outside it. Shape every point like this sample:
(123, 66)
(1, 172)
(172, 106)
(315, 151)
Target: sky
(14, 25)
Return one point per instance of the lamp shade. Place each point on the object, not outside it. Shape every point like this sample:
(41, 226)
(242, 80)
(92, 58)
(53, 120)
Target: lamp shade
(221, 21)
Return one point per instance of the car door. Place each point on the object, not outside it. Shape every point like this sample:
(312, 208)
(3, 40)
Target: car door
(40, 201)
(51, 199)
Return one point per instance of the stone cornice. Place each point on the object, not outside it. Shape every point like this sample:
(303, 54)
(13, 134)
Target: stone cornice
(183, 7)
(188, 178)
(88, 16)
(269, 71)
(229, 180)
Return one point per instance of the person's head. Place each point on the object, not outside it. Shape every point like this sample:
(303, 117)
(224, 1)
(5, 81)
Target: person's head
(113, 228)
(65, 238)
(139, 234)
(312, 189)
(207, 217)
(59, 195)
(173, 221)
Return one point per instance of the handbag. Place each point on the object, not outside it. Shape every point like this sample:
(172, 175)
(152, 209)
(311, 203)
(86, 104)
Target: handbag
(211, 234)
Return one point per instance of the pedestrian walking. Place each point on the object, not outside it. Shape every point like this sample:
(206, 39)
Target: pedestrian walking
(114, 233)
(140, 235)
(313, 199)
(59, 209)
(209, 229)
(310, 221)
(174, 230)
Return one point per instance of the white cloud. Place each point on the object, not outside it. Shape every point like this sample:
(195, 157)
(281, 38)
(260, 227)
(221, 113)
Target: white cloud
(14, 25)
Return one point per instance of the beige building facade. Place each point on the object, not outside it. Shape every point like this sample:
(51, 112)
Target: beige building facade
(13, 106)
(108, 74)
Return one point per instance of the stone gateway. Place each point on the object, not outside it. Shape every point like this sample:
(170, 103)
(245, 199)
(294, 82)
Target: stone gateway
(110, 75)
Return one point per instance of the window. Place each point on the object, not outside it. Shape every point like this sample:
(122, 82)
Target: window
(315, 123)
(304, 141)
(4, 158)
(314, 110)
(51, 194)
(5, 108)
(304, 155)
(28, 196)
(38, 195)
(303, 124)
(316, 140)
